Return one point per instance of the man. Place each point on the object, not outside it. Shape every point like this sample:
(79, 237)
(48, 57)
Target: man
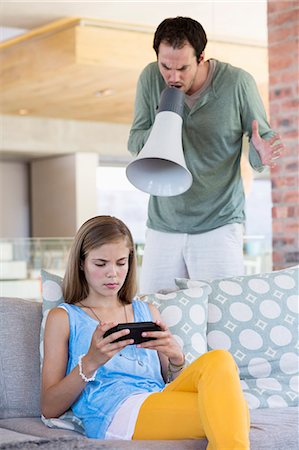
(199, 234)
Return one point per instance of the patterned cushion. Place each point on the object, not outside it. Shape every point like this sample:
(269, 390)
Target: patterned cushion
(256, 318)
(185, 313)
(52, 297)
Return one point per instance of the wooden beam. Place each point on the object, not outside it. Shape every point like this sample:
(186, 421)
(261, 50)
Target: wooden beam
(62, 72)
(88, 70)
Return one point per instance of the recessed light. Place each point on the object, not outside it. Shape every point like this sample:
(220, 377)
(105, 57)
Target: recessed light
(104, 92)
(23, 112)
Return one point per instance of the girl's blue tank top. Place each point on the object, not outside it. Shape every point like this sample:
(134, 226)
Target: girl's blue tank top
(129, 372)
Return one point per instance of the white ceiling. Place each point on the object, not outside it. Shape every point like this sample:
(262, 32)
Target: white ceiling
(234, 20)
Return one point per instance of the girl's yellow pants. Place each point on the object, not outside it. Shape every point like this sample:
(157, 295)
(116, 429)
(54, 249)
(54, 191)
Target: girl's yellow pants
(205, 400)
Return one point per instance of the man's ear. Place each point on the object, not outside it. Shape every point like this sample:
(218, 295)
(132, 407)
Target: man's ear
(201, 57)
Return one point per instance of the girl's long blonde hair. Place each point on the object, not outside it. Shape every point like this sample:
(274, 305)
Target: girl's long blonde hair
(92, 234)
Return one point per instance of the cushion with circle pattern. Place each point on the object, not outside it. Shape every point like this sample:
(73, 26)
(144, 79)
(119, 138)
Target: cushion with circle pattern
(255, 317)
(185, 313)
(52, 296)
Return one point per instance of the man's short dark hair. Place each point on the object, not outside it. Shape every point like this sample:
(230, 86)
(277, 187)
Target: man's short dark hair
(176, 31)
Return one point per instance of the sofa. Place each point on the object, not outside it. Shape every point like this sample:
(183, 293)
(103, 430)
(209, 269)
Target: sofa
(254, 317)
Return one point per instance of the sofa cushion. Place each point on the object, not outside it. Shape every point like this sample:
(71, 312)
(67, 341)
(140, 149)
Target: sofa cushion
(255, 317)
(10, 440)
(19, 361)
(274, 429)
(35, 427)
(14, 440)
(271, 429)
(52, 296)
(185, 313)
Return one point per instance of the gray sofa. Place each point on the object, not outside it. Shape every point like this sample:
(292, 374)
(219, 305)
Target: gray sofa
(20, 424)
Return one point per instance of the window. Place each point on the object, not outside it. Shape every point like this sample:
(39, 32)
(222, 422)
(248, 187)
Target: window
(116, 196)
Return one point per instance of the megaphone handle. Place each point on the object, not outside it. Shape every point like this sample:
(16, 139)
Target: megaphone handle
(172, 99)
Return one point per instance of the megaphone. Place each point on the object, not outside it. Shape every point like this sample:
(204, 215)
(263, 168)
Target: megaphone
(160, 167)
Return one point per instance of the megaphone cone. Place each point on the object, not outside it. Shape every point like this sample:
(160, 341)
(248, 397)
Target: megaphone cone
(160, 168)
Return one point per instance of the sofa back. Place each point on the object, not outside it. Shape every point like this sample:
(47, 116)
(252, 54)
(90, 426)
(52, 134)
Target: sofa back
(20, 322)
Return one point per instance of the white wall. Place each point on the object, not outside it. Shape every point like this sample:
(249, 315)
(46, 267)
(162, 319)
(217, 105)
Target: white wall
(63, 194)
(86, 182)
(14, 200)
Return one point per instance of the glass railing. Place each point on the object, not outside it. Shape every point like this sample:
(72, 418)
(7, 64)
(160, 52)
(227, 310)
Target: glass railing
(21, 261)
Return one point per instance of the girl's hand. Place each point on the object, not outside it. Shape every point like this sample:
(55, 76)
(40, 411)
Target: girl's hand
(164, 343)
(102, 349)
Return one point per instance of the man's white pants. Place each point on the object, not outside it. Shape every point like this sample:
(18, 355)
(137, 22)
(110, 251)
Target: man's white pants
(214, 254)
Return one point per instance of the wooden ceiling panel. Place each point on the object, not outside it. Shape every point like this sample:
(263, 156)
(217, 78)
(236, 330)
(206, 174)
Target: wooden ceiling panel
(80, 71)
(36, 59)
(75, 94)
(113, 47)
(84, 69)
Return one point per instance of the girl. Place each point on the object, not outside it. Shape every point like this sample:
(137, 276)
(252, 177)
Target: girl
(118, 389)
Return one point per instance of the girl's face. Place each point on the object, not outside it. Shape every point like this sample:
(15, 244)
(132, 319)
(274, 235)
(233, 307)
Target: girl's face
(106, 268)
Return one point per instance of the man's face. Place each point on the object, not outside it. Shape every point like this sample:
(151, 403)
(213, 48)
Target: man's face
(178, 66)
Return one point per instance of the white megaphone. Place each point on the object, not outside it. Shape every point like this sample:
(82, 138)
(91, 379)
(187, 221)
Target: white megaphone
(160, 168)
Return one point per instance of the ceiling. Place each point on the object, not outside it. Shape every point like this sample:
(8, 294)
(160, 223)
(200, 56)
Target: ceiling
(81, 60)
(223, 19)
